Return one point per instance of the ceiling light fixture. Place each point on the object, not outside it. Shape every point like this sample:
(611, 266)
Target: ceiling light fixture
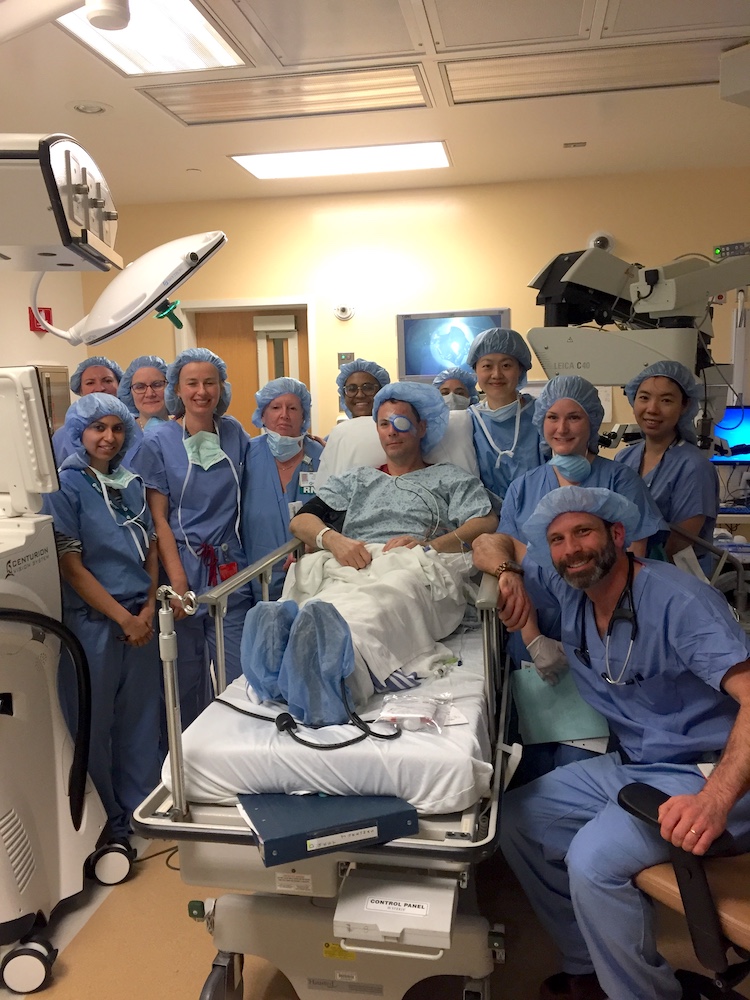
(352, 160)
(90, 107)
(163, 36)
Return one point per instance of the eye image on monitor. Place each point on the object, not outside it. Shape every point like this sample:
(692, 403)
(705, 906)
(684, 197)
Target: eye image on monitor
(430, 342)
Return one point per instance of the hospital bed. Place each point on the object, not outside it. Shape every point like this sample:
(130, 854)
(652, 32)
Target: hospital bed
(316, 919)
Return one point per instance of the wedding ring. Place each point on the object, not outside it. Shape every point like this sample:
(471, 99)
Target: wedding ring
(694, 832)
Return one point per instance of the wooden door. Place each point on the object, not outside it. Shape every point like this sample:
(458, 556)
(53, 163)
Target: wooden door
(231, 335)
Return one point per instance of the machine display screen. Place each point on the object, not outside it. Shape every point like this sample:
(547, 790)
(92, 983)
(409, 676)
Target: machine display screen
(430, 342)
(735, 430)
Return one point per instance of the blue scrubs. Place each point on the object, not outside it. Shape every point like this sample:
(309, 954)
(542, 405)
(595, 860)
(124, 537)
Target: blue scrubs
(62, 446)
(525, 493)
(684, 484)
(265, 508)
(520, 503)
(493, 436)
(124, 755)
(574, 850)
(204, 516)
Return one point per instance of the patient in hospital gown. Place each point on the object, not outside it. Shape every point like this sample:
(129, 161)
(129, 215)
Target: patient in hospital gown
(391, 556)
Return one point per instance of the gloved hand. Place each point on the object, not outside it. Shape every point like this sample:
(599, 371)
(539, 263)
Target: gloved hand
(549, 658)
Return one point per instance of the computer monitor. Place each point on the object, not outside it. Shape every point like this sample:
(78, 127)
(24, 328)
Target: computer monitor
(735, 430)
(430, 342)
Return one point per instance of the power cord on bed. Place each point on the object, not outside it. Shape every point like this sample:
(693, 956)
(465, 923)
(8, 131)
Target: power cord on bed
(286, 723)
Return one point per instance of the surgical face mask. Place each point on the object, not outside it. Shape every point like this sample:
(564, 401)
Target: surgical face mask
(575, 468)
(203, 449)
(118, 479)
(455, 401)
(502, 413)
(282, 447)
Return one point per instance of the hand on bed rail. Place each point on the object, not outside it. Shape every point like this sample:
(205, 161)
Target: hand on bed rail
(513, 604)
(490, 552)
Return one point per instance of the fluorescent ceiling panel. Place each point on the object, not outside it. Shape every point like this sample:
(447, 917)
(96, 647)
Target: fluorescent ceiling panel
(582, 72)
(164, 36)
(292, 96)
(355, 160)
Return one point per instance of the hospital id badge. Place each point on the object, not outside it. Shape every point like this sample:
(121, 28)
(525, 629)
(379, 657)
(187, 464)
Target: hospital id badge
(306, 484)
(227, 569)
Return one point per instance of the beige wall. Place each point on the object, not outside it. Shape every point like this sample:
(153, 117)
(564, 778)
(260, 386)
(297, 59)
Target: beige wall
(431, 250)
(18, 345)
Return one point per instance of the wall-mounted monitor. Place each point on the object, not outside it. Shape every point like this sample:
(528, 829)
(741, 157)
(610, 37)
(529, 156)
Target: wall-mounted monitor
(430, 342)
(735, 430)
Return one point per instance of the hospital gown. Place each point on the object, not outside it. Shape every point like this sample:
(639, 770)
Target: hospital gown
(265, 506)
(424, 503)
(124, 753)
(496, 472)
(406, 599)
(574, 850)
(204, 517)
(684, 484)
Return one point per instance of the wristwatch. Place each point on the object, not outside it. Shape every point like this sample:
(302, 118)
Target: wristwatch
(509, 566)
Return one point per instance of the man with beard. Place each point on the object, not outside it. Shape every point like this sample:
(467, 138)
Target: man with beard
(659, 654)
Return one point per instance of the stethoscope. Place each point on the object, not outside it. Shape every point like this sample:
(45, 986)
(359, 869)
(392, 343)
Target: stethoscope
(624, 612)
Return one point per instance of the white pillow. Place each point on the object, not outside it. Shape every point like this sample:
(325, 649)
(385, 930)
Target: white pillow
(355, 443)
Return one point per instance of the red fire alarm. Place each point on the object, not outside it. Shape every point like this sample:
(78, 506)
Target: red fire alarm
(46, 313)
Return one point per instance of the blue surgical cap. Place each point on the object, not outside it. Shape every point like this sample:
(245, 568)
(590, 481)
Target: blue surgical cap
(606, 504)
(125, 388)
(173, 401)
(464, 375)
(428, 403)
(75, 378)
(580, 391)
(687, 382)
(85, 411)
(380, 375)
(280, 387)
(499, 341)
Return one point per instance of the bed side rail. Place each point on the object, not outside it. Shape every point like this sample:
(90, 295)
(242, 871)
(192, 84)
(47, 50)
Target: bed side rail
(726, 559)
(216, 599)
(218, 596)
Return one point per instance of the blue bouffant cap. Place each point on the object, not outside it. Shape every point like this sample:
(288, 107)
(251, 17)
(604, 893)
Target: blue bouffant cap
(464, 375)
(380, 375)
(98, 362)
(173, 401)
(125, 388)
(499, 341)
(280, 387)
(606, 504)
(84, 412)
(687, 382)
(580, 391)
(428, 403)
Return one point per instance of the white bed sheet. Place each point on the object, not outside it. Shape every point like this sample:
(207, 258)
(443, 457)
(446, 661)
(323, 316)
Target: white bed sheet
(226, 752)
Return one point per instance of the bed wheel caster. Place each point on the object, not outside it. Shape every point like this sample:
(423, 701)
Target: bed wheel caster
(225, 978)
(476, 989)
(28, 968)
(110, 864)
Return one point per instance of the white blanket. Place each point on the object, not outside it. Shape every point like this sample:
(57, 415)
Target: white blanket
(397, 607)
